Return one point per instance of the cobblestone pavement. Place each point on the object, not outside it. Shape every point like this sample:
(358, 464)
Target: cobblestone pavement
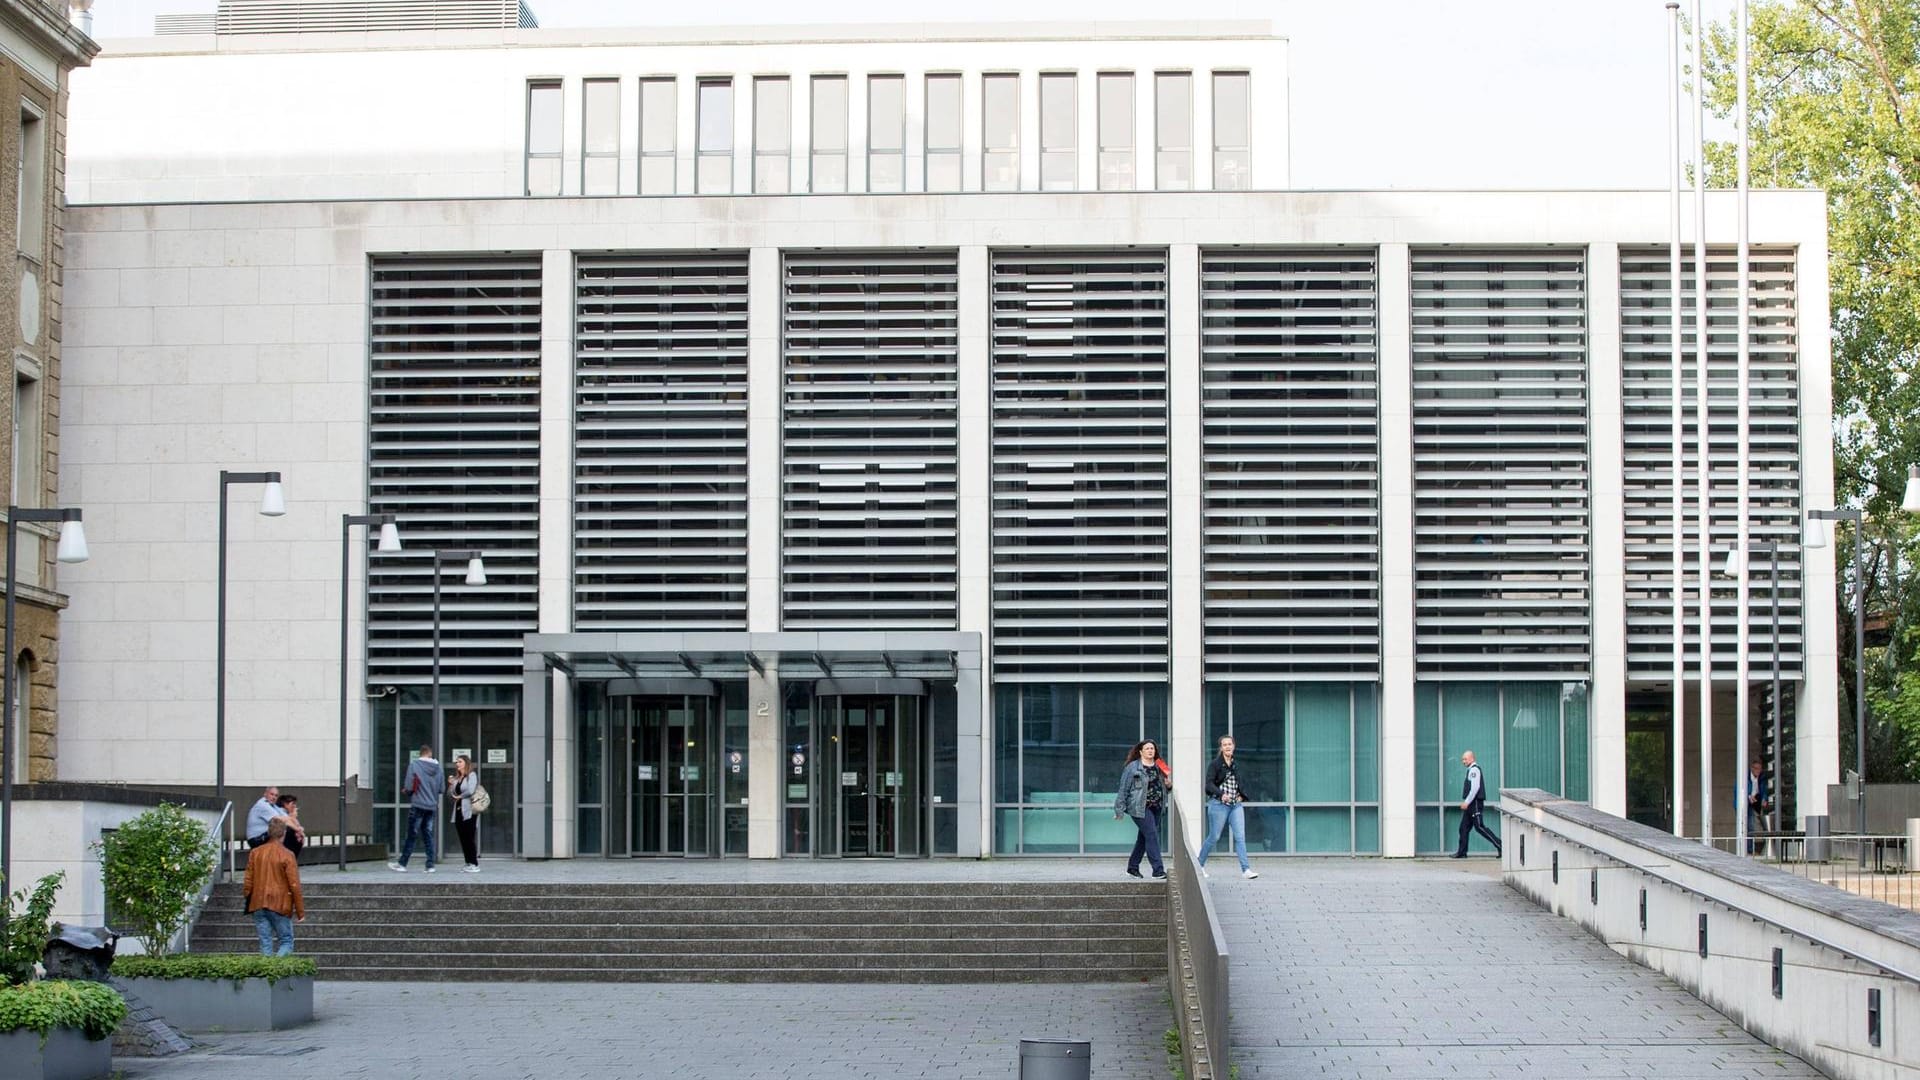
(1369, 968)
(560, 1031)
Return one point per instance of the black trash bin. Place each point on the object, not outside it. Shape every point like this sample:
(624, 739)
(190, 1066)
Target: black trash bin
(1056, 1059)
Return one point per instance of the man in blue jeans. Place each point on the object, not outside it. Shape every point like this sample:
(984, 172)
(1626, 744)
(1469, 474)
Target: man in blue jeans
(1224, 807)
(422, 788)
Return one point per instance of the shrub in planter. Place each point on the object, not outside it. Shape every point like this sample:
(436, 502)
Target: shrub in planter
(28, 927)
(237, 992)
(152, 867)
(234, 966)
(94, 1009)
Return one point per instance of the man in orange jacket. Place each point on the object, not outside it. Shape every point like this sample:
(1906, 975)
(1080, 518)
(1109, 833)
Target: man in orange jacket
(271, 891)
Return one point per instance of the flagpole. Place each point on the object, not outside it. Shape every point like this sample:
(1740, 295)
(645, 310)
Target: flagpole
(1742, 341)
(1702, 421)
(1678, 794)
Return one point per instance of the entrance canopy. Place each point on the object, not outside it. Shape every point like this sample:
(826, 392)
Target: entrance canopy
(933, 655)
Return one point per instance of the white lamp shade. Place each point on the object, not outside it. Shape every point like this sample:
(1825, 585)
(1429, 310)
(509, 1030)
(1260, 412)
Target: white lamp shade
(273, 501)
(389, 537)
(1734, 566)
(1815, 535)
(1526, 720)
(1912, 499)
(476, 571)
(73, 542)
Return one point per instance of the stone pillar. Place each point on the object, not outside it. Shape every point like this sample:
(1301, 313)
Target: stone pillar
(1607, 532)
(556, 529)
(1186, 606)
(1397, 765)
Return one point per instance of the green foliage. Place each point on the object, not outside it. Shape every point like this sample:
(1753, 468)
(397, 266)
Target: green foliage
(42, 1006)
(153, 867)
(1176, 1061)
(214, 966)
(29, 923)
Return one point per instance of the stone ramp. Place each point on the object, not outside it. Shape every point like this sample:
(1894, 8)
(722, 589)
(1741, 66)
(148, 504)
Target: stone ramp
(1369, 968)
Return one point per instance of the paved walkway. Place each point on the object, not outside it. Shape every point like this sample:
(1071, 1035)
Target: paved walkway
(468, 1031)
(1368, 968)
(731, 871)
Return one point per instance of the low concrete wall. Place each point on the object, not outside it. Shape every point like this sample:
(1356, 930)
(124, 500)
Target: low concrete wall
(55, 827)
(1649, 895)
(199, 1005)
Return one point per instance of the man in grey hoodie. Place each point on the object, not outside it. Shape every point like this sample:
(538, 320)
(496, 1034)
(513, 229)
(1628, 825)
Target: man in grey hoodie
(422, 787)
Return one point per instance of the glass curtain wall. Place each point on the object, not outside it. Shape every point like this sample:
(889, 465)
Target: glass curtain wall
(1309, 756)
(1058, 752)
(1523, 734)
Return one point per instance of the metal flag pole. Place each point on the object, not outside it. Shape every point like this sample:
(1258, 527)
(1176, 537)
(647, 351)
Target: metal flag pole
(1678, 795)
(1702, 420)
(1741, 344)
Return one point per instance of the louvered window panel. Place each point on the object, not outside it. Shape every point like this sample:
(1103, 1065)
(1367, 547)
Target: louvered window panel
(1079, 465)
(1772, 436)
(454, 438)
(660, 441)
(1290, 384)
(869, 404)
(1501, 554)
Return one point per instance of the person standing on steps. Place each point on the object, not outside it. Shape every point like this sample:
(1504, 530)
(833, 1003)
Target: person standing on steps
(271, 891)
(265, 809)
(422, 787)
(466, 820)
(1224, 807)
(296, 832)
(1145, 785)
(1473, 801)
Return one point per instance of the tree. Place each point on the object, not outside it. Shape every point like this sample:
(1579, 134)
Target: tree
(153, 867)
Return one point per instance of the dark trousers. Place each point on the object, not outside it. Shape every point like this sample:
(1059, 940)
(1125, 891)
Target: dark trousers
(420, 824)
(1147, 843)
(1470, 823)
(468, 829)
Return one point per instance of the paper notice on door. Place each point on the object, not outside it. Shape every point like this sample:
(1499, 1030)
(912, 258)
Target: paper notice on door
(643, 772)
(796, 791)
(849, 779)
(689, 772)
(893, 779)
(463, 752)
(497, 757)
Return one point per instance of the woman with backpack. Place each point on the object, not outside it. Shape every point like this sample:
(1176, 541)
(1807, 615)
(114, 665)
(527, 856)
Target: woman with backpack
(1145, 785)
(466, 816)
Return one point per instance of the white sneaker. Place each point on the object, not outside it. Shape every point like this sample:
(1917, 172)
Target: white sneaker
(431, 869)
(473, 869)
(1203, 872)
(396, 868)
(1250, 873)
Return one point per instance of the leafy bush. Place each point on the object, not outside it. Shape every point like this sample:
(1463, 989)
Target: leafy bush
(95, 1008)
(153, 867)
(214, 966)
(28, 927)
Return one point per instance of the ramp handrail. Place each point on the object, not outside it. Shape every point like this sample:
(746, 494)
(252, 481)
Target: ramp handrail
(1197, 959)
(183, 937)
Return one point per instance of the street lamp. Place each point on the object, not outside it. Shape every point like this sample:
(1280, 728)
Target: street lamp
(72, 549)
(389, 541)
(1816, 537)
(476, 575)
(273, 503)
(1735, 568)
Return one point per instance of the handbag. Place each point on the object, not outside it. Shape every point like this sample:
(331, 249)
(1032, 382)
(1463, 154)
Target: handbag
(479, 800)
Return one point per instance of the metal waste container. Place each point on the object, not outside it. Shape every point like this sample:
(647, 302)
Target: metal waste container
(1056, 1059)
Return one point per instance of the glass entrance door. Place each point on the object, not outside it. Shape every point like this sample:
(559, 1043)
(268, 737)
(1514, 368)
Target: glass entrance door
(667, 781)
(876, 809)
(486, 737)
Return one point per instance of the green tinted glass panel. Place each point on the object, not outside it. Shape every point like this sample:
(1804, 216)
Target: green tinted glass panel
(1006, 744)
(1322, 746)
(1470, 720)
(1111, 715)
(1320, 830)
(1366, 831)
(1260, 739)
(1051, 831)
(1106, 834)
(1266, 828)
(1530, 712)
(1575, 713)
(1426, 742)
(1366, 743)
(1049, 742)
(1006, 831)
(1217, 696)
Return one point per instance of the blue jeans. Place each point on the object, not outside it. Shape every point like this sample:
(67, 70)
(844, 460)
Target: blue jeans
(1147, 843)
(270, 923)
(1218, 814)
(421, 822)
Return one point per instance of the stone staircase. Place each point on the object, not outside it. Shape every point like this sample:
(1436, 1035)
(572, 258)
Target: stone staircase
(925, 932)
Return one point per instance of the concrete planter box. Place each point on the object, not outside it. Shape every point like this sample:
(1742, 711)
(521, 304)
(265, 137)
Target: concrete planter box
(193, 1005)
(67, 1055)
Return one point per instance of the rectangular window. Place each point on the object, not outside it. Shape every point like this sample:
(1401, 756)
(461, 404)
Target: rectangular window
(31, 227)
(887, 133)
(1232, 163)
(600, 138)
(543, 138)
(772, 134)
(829, 133)
(943, 133)
(28, 468)
(1000, 133)
(1116, 132)
(1173, 131)
(659, 122)
(1059, 159)
(713, 163)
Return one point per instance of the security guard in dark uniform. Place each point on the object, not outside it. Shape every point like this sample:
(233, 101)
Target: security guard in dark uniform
(1473, 800)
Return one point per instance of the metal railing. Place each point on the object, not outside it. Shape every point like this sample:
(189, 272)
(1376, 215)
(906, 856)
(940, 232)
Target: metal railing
(1196, 961)
(222, 834)
(1872, 866)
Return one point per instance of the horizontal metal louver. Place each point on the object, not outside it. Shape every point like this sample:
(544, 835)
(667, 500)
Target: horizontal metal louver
(1502, 561)
(660, 441)
(356, 16)
(869, 408)
(1772, 436)
(455, 454)
(1079, 359)
(1291, 441)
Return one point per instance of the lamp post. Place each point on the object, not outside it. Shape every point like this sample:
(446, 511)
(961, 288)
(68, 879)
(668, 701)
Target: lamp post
(389, 541)
(72, 549)
(273, 503)
(1816, 537)
(1736, 567)
(476, 575)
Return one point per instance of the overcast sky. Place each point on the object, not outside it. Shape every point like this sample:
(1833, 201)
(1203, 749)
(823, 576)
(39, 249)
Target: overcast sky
(1386, 93)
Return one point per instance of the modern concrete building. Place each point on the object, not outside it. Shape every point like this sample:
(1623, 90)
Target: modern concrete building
(870, 434)
(38, 48)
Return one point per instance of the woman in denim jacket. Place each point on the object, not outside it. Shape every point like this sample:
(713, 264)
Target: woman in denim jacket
(1145, 786)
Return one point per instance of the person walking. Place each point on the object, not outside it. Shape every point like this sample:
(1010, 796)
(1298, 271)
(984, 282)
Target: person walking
(265, 809)
(296, 832)
(1145, 784)
(425, 781)
(270, 892)
(466, 820)
(1224, 799)
(1757, 803)
(1473, 801)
